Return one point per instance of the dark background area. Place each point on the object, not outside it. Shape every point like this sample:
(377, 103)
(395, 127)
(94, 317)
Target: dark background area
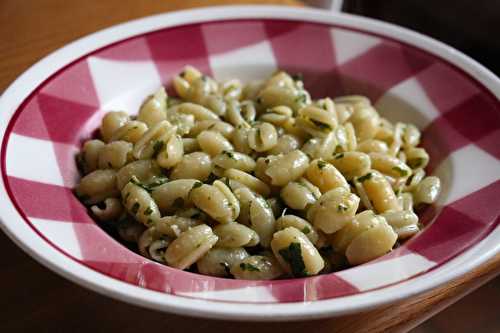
(472, 26)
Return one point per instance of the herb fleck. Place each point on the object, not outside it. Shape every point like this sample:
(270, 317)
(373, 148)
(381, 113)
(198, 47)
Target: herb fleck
(196, 185)
(293, 256)
(321, 126)
(401, 172)
(321, 164)
(228, 154)
(158, 147)
(148, 211)
(302, 98)
(249, 267)
(365, 177)
(135, 208)
(306, 230)
(415, 162)
(342, 208)
(339, 156)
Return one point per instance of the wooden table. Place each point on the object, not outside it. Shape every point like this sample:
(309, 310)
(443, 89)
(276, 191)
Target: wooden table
(35, 299)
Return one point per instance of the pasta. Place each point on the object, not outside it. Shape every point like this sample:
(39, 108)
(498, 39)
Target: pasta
(256, 181)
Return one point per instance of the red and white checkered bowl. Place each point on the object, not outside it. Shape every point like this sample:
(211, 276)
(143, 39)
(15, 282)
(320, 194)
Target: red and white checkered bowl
(51, 108)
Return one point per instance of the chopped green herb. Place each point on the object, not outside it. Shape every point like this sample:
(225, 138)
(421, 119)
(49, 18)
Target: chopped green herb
(259, 100)
(196, 185)
(401, 172)
(339, 156)
(198, 245)
(321, 164)
(267, 161)
(158, 147)
(136, 182)
(415, 162)
(338, 149)
(228, 183)
(306, 230)
(228, 154)
(293, 256)
(365, 177)
(148, 211)
(249, 267)
(342, 208)
(135, 208)
(321, 126)
(211, 126)
(149, 221)
(302, 98)
(127, 195)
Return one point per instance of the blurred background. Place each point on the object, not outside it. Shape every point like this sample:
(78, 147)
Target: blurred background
(33, 298)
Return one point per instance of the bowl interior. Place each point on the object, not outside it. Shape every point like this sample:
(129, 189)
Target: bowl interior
(459, 118)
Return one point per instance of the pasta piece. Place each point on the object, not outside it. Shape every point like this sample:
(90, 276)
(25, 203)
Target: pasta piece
(197, 165)
(172, 154)
(365, 120)
(389, 165)
(277, 115)
(190, 246)
(325, 176)
(262, 137)
(173, 226)
(174, 195)
(111, 122)
(333, 210)
(154, 108)
(146, 172)
(427, 190)
(132, 132)
(305, 227)
(115, 155)
(411, 136)
(112, 210)
(351, 164)
(235, 235)
(316, 121)
(154, 140)
(416, 157)
(379, 192)
(190, 145)
(321, 147)
(216, 200)
(213, 143)
(404, 223)
(373, 146)
(234, 160)
(262, 220)
(248, 180)
(295, 253)
(139, 204)
(285, 144)
(222, 127)
(287, 168)
(199, 112)
(97, 186)
(218, 261)
(258, 267)
(88, 159)
(300, 194)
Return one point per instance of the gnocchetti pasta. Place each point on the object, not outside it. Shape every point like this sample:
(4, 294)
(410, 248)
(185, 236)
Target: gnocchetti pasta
(255, 181)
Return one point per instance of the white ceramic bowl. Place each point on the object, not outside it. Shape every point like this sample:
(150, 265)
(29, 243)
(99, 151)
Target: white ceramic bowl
(52, 107)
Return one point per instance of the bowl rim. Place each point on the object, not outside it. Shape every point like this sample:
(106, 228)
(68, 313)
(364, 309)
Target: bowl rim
(43, 252)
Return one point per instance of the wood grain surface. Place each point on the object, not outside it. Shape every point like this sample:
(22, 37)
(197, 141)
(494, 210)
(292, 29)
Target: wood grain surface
(35, 299)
